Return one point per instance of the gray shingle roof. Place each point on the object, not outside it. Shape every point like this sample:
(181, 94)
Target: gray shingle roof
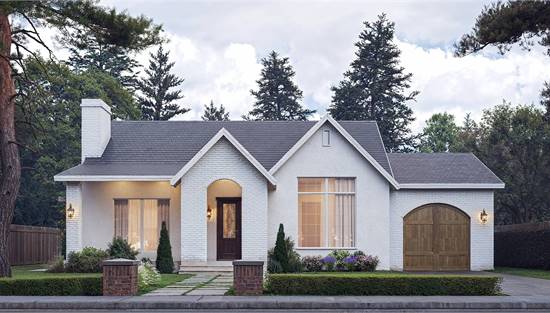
(163, 147)
(440, 168)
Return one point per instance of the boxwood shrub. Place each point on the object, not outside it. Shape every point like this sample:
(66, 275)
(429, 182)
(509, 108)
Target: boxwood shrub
(54, 286)
(364, 284)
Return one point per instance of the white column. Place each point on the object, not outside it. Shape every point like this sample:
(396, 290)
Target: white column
(74, 224)
(193, 222)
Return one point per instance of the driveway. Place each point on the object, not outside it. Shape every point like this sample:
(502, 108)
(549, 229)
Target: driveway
(513, 285)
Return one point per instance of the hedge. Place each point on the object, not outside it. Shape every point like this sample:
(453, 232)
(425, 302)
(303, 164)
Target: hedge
(54, 286)
(389, 285)
(528, 249)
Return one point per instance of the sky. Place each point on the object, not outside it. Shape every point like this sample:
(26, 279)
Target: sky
(217, 47)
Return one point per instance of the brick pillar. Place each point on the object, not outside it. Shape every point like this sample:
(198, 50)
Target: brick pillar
(248, 277)
(120, 277)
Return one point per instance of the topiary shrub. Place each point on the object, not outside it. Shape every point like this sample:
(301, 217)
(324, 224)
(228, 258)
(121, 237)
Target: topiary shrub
(165, 262)
(86, 261)
(119, 248)
(283, 258)
(52, 286)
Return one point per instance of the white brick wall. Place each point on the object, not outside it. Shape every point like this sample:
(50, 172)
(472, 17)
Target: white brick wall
(74, 225)
(96, 127)
(472, 202)
(223, 161)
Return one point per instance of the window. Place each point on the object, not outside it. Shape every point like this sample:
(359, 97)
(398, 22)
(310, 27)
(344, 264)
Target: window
(139, 221)
(326, 138)
(326, 212)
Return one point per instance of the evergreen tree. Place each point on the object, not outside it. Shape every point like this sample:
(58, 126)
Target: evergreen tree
(375, 87)
(156, 99)
(467, 138)
(440, 133)
(280, 253)
(545, 100)
(213, 113)
(277, 95)
(165, 262)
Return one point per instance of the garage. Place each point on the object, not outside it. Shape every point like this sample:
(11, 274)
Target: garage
(436, 237)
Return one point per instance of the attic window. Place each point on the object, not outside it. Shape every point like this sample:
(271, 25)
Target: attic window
(326, 138)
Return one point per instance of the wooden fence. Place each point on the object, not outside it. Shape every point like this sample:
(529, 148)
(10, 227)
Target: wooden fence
(33, 244)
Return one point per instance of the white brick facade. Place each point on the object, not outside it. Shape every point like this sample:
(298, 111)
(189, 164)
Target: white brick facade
(472, 202)
(74, 225)
(223, 161)
(96, 127)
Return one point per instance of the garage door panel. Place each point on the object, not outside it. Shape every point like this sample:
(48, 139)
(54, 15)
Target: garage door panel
(436, 237)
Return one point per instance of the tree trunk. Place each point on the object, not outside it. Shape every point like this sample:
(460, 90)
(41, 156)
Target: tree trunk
(10, 169)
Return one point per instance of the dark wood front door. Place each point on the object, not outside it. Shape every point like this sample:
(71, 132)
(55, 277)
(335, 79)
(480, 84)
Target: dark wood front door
(436, 237)
(229, 228)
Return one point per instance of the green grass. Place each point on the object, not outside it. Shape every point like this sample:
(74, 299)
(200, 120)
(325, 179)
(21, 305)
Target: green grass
(25, 272)
(527, 272)
(165, 280)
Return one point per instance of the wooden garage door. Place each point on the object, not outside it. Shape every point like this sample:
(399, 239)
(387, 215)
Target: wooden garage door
(436, 237)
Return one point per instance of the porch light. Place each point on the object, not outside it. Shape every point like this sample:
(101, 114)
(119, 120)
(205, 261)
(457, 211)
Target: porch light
(483, 217)
(70, 211)
(209, 213)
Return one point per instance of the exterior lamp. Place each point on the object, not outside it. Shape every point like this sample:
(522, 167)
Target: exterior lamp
(70, 211)
(483, 217)
(209, 213)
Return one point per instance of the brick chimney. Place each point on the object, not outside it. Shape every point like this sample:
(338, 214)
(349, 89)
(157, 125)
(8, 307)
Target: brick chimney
(96, 127)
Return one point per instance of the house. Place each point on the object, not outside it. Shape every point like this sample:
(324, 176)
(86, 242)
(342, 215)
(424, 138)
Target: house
(224, 187)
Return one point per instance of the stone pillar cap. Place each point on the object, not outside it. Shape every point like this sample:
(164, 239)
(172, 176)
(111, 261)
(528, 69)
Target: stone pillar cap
(121, 262)
(248, 262)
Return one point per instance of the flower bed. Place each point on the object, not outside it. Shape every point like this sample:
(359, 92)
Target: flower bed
(390, 284)
(341, 261)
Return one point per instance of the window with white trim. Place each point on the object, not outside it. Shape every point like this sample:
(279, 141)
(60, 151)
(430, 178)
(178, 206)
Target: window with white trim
(139, 221)
(326, 212)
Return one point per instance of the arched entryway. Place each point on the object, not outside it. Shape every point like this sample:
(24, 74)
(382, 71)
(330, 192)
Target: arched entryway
(436, 237)
(224, 220)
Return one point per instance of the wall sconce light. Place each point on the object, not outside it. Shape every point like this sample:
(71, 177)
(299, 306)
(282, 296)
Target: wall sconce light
(209, 213)
(483, 217)
(70, 211)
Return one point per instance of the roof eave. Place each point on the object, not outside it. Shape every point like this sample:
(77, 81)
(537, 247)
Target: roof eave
(491, 186)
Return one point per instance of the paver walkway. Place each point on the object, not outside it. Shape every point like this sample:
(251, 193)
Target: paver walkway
(200, 284)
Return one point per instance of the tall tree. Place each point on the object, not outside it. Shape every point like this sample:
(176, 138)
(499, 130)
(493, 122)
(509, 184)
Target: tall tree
(156, 99)
(213, 113)
(545, 101)
(440, 133)
(18, 21)
(467, 137)
(376, 86)
(277, 97)
(503, 24)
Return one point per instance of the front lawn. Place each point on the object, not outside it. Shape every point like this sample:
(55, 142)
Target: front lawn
(26, 272)
(382, 283)
(527, 272)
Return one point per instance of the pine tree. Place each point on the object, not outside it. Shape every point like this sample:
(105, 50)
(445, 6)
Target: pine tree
(277, 95)
(280, 253)
(156, 99)
(440, 133)
(375, 87)
(213, 113)
(165, 263)
(545, 100)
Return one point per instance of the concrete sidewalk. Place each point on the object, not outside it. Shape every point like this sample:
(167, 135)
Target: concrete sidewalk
(275, 302)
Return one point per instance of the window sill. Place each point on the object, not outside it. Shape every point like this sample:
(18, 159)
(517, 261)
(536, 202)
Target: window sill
(326, 248)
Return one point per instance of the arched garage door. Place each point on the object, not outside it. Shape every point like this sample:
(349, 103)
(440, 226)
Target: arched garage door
(436, 237)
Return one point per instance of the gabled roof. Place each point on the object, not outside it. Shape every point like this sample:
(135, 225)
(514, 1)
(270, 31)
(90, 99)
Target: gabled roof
(442, 170)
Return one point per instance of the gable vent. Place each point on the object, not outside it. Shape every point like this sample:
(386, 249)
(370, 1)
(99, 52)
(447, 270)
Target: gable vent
(326, 138)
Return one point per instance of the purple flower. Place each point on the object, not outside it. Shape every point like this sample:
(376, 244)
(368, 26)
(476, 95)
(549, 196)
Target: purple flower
(328, 259)
(350, 259)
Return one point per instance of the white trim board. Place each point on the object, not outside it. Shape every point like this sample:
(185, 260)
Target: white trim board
(110, 178)
(451, 186)
(349, 138)
(223, 133)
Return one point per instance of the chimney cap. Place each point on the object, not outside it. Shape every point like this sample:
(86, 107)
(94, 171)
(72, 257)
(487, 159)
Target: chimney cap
(97, 103)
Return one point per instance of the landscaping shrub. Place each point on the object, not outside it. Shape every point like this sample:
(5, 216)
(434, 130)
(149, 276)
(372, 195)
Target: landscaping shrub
(55, 286)
(283, 258)
(147, 275)
(119, 248)
(312, 264)
(57, 266)
(86, 261)
(328, 263)
(165, 262)
(377, 284)
(528, 249)
(366, 263)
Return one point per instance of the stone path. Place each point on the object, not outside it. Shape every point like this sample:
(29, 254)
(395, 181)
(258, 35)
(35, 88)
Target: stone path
(200, 284)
